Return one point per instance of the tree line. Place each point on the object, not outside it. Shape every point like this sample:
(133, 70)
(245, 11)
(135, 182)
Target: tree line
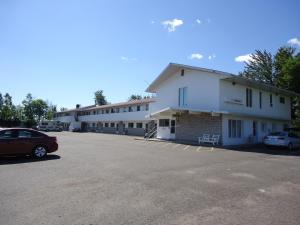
(27, 114)
(100, 98)
(281, 70)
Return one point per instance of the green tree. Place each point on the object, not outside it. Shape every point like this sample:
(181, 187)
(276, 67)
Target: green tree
(100, 99)
(28, 110)
(135, 97)
(39, 108)
(260, 67)
(7, 111)
(50, 111)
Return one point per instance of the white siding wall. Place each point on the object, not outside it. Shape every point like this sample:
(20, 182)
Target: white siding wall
(202, 91)
(247, 129)
(124, 116)
(229, 91)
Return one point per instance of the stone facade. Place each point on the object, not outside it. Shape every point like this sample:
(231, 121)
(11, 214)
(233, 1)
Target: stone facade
(191, 126)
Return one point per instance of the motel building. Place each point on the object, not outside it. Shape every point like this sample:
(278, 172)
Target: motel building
(189, 102)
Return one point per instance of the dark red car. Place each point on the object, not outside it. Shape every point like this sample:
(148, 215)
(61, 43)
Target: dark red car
(22, 141)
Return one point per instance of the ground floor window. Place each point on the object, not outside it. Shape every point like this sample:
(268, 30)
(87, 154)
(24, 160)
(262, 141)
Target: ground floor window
(106, 124)
(112, 124)
(164, 122)
(234, 128)
(130, 125)
(139, 125)
(263, 127)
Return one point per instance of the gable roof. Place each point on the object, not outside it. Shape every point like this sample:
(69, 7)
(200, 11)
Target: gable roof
(172, 68)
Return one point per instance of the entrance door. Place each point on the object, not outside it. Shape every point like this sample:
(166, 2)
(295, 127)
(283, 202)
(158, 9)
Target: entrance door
(172, 129)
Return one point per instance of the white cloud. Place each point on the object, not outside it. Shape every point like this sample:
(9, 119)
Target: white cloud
(196, 56)
(294, 41)
(198, 21)
(210, 57)
(243, 58)
(128, 59)
(172, 24)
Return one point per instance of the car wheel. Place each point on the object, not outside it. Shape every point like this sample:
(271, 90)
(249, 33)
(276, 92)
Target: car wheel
(39, 152)
(290, 146)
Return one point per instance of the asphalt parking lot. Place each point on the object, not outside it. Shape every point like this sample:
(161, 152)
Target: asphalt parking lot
(110, 179)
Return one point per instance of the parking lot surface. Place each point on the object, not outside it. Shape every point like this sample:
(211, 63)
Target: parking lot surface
(111, 179)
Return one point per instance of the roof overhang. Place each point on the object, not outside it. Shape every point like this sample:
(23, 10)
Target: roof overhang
(170, 111)
(246, 82)
(173, 68)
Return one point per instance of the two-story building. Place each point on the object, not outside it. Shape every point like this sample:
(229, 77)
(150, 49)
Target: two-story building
(192, 101)
(121, 118)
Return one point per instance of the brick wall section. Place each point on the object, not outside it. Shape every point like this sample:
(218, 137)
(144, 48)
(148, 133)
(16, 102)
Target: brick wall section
(190, 126)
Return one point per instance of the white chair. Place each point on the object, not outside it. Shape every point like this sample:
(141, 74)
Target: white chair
(203, 139)
(215, 139)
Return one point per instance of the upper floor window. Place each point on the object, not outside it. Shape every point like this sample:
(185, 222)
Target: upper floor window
(182, 97)
(248, 97)
(282, 100)
(182, 72)
(260, 99)
(271, 100)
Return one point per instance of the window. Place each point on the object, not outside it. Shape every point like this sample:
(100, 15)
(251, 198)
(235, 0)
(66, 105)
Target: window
(147, 107)
(260, 99)
(107, 111)
(271, 100)
(117, 110)
(282, 100)
(138, 108)
(182, 72)
(129, 109)
(248, 97)
(112, 110)
(234, 128)
(139, 125)
(93, 124)
(164, 122)
(8, 134)
(106, 124)
(263, 127)
(112, 124)
(172, 127)
(130, 125)
(182, 97)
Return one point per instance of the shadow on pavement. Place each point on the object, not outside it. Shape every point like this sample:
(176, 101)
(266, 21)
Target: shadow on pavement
(271, 150)
(4, 160)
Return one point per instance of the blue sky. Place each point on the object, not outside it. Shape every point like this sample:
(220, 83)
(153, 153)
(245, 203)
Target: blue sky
(65, 50)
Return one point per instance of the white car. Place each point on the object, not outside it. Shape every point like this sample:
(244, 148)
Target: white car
(285, 139)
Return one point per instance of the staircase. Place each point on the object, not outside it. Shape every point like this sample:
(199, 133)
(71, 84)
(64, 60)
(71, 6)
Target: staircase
(151, 133)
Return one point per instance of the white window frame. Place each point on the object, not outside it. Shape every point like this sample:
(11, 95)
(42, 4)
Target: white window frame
(182, 97)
